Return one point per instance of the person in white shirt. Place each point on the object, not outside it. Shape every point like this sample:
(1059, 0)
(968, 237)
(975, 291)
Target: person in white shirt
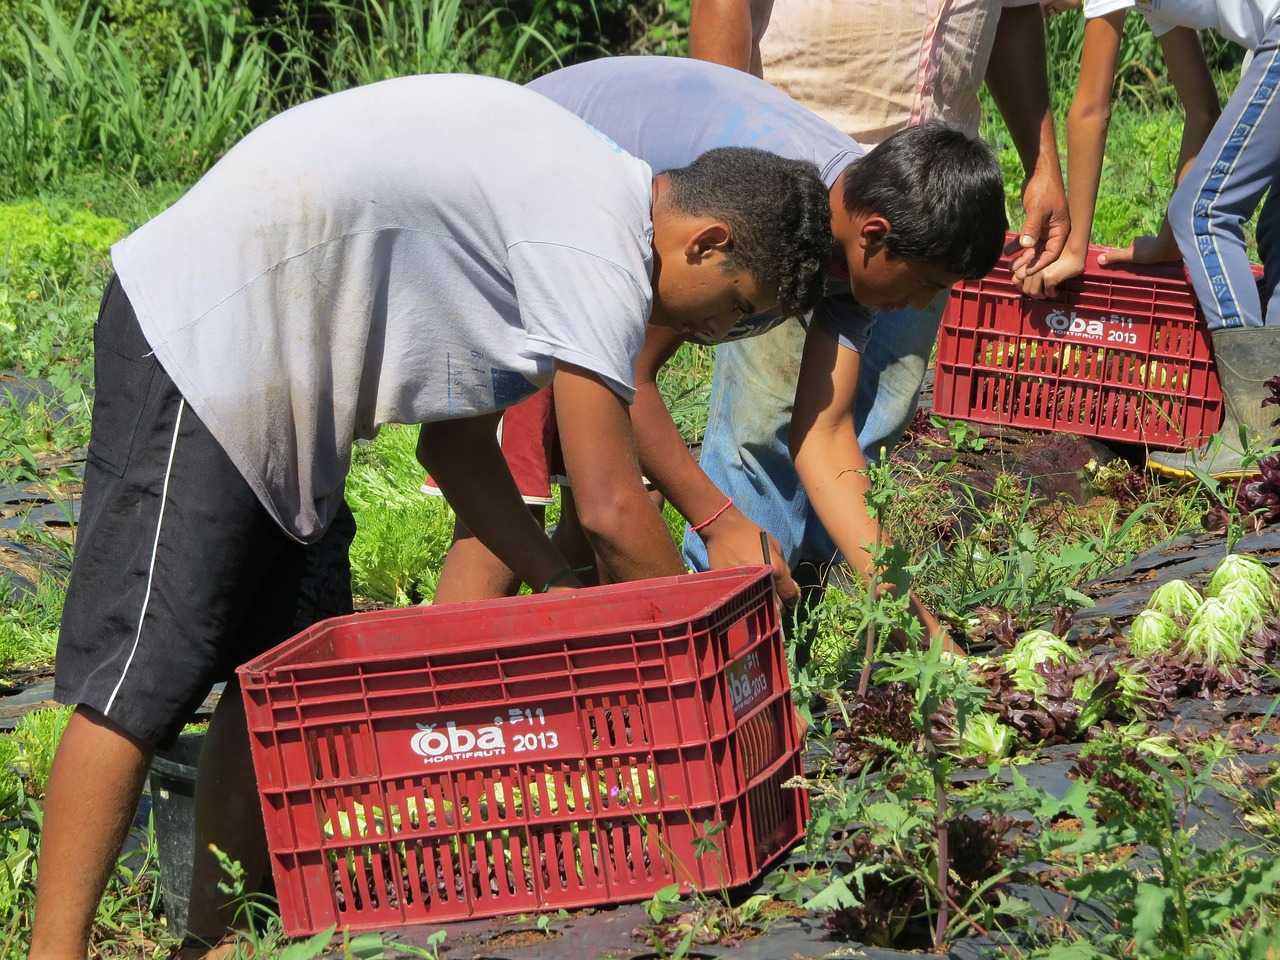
(423, 250)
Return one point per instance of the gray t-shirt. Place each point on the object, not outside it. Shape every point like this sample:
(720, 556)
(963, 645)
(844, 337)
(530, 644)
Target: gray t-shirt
(414, 250)
(668, 110)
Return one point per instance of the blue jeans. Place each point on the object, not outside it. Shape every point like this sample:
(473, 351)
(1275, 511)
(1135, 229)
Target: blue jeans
(1238, 164)
(753, 391)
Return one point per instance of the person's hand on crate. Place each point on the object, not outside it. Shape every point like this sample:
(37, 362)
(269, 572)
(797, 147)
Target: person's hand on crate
(733, 540)
(1158, 249)
(1015, 76)
(1044, 284)
(1045, 228)
(1073, 262)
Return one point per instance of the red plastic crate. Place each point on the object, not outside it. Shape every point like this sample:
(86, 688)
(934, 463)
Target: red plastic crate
(1122, 354)
(565, 750)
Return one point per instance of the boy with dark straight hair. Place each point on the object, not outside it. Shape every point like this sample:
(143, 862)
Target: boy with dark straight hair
(424, 250)
(920, 212)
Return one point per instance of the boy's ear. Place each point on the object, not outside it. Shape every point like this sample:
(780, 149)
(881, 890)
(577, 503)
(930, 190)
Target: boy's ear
(874, 232)
(712, 236)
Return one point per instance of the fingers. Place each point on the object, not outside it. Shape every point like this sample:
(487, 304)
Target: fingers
(1052, 8)
(1036, 285)
(1112, 258)
(1045, 229)
(784, 583)
(1020, 262)
(788, 589)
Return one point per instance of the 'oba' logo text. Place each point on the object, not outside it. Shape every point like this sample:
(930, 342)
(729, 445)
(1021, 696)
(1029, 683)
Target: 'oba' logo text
(454, 742)
(1070, 323)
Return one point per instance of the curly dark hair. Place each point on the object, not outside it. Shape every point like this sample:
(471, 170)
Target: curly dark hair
(779, 212)
(941, 191)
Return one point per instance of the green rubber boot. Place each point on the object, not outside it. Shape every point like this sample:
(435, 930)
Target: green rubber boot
(1246, 358)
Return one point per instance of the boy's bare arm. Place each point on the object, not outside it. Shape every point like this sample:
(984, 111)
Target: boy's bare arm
(1189, 71)
(1018, 81)
(829, 459)
(721, 31)
(466, 463)
(629, 536)
(731, 539)
(1087, 124)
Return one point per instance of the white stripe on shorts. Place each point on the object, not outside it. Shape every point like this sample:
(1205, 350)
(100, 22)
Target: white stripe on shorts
(155, 548)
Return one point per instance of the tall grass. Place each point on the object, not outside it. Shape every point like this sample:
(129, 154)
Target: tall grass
(78, 93)
(336, 44)
(1142, 78)
(80, 96)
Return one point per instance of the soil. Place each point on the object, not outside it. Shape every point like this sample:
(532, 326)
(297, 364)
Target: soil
(1261, 725)
(522, 938)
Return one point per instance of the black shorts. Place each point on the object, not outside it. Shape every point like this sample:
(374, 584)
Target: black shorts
(179, 574)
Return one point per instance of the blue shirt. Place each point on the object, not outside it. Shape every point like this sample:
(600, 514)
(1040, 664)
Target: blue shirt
(668, 111)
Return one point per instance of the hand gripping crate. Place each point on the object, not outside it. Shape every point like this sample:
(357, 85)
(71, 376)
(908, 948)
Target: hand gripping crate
(496, 757)
(1122, 354)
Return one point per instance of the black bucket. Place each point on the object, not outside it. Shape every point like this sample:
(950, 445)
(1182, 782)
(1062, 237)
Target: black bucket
(173, 806)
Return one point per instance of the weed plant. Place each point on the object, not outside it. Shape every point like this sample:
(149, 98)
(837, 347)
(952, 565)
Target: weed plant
(46, 430)
(29, 622)
(124, 925)
(1191, 901)
(1004, 547)
(902, 848)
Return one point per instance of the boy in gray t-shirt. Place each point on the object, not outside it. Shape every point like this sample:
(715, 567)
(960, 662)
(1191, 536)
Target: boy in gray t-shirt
(425, 250)
(909, 219)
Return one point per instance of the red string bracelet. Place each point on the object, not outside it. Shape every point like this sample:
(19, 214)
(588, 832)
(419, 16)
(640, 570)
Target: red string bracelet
(699, 527)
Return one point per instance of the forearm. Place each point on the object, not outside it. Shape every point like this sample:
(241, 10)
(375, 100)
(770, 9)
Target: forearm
(1086, 143)
(1017, 79)
(1019, 85)
(466, 463)
(833, 472)
(665, 459)
(1088, 121)
(838, 496)
(629, 536)
(721, 31)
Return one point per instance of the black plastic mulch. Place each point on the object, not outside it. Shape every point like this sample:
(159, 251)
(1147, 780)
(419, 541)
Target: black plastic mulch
(34, 507)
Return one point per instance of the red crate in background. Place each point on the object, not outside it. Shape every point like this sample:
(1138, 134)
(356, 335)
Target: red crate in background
(562, 750)
(1122, 354)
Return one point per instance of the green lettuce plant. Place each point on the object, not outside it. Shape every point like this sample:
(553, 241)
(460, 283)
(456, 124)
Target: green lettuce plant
(1234, 568)
(1032, 649)
(1215, 634)
(1152, 632)
(1177, 599)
